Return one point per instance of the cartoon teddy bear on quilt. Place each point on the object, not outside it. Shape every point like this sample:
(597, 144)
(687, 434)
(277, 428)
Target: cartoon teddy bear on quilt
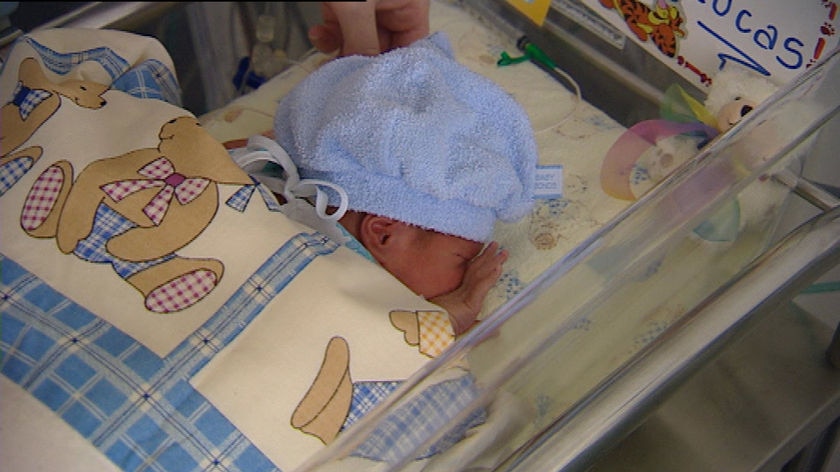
(335, 400)
(135, 210)
(34, 101)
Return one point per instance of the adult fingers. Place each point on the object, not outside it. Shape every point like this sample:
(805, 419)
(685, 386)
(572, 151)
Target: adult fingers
(362, 37)
(325, 39)
(405, 21)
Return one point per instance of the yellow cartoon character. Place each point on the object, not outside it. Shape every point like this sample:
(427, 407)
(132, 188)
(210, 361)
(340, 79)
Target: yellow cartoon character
(135, 210)
(34, 101)
(660, 23)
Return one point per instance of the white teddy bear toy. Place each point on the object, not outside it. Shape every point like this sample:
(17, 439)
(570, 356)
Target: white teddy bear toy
(736, 92)
(651, 150)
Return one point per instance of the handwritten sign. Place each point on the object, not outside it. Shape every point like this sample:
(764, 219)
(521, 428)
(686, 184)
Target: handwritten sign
(776, 38)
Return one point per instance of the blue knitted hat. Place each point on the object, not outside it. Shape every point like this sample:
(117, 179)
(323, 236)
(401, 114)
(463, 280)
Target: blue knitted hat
(413, 135)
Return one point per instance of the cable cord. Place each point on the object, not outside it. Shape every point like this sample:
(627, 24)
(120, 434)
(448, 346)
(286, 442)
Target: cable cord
(535, 55)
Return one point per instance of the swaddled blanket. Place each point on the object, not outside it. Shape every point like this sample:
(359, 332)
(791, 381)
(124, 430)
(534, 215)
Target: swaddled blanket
(158, 310)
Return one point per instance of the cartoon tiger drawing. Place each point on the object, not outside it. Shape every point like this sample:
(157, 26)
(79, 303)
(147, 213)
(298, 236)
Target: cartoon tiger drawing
(660, 24)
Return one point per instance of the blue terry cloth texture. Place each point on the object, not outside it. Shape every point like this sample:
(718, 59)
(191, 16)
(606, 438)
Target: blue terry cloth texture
(413, 135)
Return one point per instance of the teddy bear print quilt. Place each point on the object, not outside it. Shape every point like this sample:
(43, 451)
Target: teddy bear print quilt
(157, 309)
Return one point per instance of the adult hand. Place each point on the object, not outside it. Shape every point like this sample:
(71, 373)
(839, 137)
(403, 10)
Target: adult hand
(370, 27)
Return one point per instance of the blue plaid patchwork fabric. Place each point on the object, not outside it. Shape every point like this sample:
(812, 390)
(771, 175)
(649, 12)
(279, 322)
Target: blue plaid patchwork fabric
(150, 79)
(12, 171)
(420, 419)
(367, 395)
(139, 409)
(108, 224)
(26, 99)
(240, 199)
(62, 63)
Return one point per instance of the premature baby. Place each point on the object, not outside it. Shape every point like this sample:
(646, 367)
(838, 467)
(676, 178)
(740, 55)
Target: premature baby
(418, 157)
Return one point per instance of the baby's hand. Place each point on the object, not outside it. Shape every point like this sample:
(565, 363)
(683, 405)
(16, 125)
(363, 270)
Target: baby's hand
(464, 303)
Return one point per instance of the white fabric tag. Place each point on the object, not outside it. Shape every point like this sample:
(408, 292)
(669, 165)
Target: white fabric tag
(549, 182)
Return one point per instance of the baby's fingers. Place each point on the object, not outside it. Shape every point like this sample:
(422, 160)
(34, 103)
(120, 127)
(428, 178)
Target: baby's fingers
(490, 260)
(484, 270)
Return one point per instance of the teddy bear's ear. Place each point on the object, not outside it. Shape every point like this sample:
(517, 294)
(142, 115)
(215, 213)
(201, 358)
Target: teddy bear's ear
(28, 65)
(196, 152)
(30, 73)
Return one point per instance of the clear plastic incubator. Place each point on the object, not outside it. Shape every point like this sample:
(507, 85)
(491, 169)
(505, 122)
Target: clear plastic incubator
(646, 347)
(676, 312)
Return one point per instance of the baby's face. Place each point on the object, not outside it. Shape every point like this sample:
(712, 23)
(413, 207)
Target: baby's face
(434, 263)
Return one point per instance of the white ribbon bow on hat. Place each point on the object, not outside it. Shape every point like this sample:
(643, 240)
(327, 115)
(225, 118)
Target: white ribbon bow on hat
(294, 189)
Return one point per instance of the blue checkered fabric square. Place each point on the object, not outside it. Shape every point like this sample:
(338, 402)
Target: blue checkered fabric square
(367, 395)
(240, 199)
(150, 79)
(107, 224)
(12, 171)
(419, 421)
(26, 99)
(62, 63)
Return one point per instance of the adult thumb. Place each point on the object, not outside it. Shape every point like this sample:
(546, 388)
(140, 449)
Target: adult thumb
(358, 27)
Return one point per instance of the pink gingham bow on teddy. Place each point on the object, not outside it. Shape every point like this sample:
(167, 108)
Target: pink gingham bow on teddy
(160, 173)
